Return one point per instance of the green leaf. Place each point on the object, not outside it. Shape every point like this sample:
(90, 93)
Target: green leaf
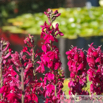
(12, 29)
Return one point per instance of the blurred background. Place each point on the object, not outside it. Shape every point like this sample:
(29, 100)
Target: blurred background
(81, 21)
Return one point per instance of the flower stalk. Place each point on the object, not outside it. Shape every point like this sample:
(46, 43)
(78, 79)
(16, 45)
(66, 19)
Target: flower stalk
(1, 77)
(1, 84)
(22, 85)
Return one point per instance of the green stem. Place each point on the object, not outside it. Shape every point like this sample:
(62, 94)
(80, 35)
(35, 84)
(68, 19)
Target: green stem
(32, 55)
(54, 73)
(33, 60)
(22, 85)
(1, 84)
(55, 83)
(55, 91)
(1, 78)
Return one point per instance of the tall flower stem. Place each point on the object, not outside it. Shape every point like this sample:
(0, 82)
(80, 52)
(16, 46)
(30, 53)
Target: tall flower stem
(1, 84)
(54, 73)
(55, 84)
(32, 54)
(22, 85)
(32, 57)
(1, 77)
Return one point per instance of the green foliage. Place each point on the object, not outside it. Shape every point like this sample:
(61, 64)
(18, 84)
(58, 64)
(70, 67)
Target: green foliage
(66, 89)
(73, 22)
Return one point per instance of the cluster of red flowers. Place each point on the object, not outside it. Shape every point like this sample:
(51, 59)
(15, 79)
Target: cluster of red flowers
(53, 79)
(77, 67)
(78, 72)
(95, 72)
(19, 71)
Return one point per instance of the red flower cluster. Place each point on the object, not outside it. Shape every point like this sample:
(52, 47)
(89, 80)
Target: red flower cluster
(52, 15)
(49, 59)
(19, 71)
(78, 72)
(77, 67)
(95, 72)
